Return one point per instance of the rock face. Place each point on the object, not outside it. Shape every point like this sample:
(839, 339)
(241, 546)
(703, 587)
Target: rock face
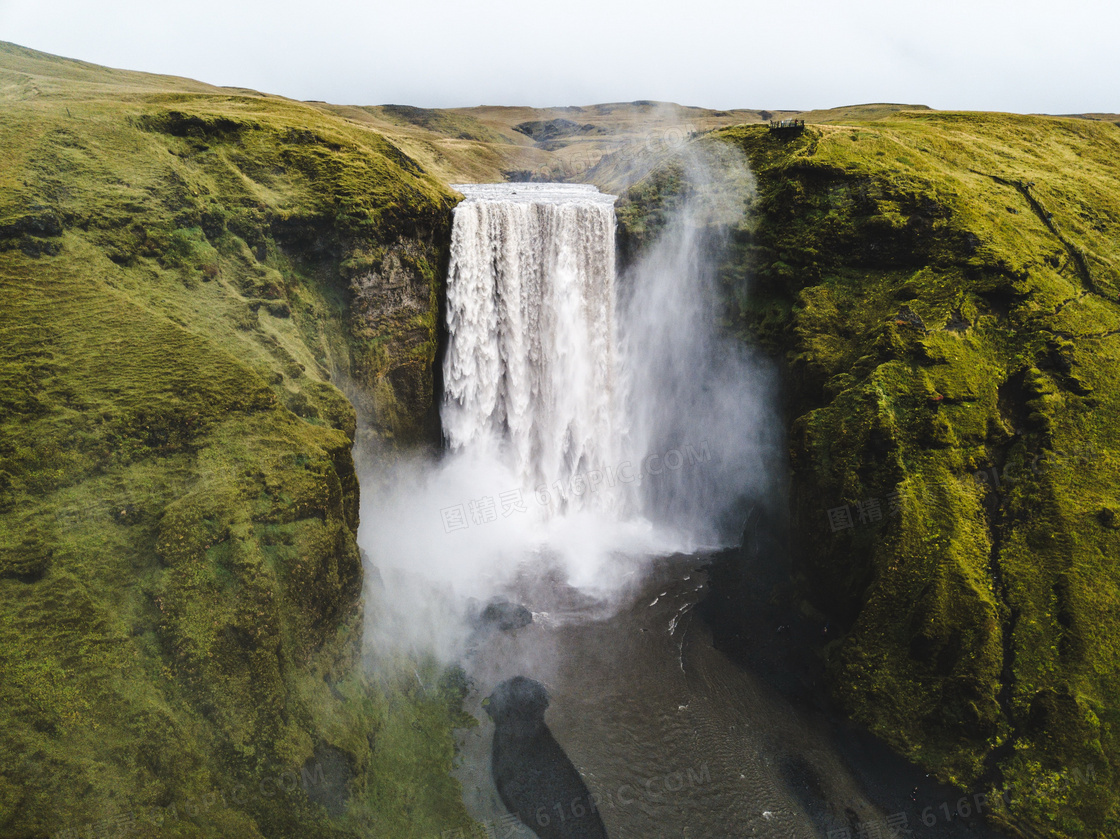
(535, 779)
(189, 275)
(942, 292)
(503, 616)
(544, 130)
(393, 312)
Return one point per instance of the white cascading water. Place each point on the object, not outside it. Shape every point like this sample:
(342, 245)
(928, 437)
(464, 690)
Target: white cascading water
(587, 431)
(552, 384)
(530, 374)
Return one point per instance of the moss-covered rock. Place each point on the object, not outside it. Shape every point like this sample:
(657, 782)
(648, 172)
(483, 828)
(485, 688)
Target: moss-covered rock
(180, 615)
(941, 290)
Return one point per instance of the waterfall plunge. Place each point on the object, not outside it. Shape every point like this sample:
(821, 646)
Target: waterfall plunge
(530, 375)
(557, 395)
(536, 477)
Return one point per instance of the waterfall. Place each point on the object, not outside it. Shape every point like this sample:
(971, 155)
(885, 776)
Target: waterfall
(586, 430)
(531, 371)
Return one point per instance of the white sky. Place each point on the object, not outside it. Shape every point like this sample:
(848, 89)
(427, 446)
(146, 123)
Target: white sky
(1024, 56)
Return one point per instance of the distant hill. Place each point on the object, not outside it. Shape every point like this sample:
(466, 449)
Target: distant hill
(484, 143)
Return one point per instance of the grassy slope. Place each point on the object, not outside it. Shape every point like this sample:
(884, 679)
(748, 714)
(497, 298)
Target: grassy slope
(187, 270)
(944, 288)
(179, 580)
(465, 145)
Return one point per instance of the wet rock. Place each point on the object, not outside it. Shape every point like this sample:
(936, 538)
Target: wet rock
(504, 616)
(957, 322)
(908, 317)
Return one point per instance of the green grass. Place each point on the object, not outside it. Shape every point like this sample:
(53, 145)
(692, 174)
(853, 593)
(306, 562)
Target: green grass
(192, 276)
(444, 123)
(942, 290)
(179, 580)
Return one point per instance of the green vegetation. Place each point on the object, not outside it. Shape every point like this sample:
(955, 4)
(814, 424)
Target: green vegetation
(188, 277)
(943, 291)
(193, 277)
(443, 123)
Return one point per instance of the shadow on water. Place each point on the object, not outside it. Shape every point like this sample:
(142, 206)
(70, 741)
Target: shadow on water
(534, 778)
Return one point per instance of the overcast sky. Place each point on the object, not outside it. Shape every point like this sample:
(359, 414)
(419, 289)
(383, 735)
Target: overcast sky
(1025, 56)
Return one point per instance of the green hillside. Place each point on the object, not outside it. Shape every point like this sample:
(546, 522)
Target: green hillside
(942, 290)
(193, 281)
(209, 294)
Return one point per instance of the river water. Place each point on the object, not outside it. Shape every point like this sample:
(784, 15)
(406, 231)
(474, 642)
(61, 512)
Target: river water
(673, 738)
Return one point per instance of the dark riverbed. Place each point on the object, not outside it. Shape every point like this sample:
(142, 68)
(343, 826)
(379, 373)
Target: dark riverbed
(673, 738)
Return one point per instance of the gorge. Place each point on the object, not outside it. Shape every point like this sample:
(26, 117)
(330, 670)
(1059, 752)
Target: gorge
(622, 432)
(887, 344)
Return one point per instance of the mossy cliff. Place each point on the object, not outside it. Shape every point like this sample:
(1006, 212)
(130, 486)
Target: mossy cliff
(191, 279)
(942, 292)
